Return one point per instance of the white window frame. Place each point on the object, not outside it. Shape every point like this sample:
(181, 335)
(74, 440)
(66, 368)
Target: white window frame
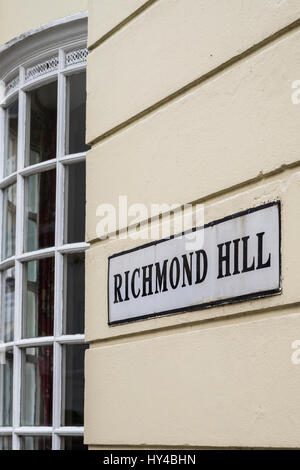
(58, 39)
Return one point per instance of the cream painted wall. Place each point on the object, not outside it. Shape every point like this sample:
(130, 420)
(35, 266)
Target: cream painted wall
(173, 154)
(105, 15)
(170, 45)
(191, 101)
(19, 16)
(225, 385)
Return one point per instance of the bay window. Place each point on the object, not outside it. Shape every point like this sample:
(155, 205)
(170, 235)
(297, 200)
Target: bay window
(42, 191)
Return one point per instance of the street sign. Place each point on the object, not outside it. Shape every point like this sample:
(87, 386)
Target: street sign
(232, 259)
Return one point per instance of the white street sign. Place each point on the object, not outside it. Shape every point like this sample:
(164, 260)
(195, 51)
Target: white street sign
(237, 258)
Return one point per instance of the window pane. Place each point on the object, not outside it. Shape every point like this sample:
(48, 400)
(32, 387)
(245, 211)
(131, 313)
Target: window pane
(11, 144)
(73, 443)
(75, 203)
(74, 294)
(76, 113)
(38, 300)
(8, 305)
(9, 221)
(73, 385)
(5, 443)
(43, 117)
(36, 443)
(6, 387)
(40, 210)
(37, 379)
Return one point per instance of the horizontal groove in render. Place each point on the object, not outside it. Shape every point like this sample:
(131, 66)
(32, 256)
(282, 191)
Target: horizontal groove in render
(198, 81)
(227, 320)
(123, 23)
(203, 200)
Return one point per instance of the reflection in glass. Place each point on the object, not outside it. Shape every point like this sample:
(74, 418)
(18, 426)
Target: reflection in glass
(76, 112)
(75, 203)
(40, 210)
(11, 144)
(5, 443)
(74, 294)
(43, 118)
(37, 373)
(36, 443)
(73, 443)
(6, 387)
(8, 306)
(9, 221)
(73, 385)
(38, 303)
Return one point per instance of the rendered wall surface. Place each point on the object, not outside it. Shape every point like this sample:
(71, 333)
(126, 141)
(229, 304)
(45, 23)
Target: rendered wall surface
(170, 45)
(106, 15)
(233, 122)
(213, 386)
(191, 102)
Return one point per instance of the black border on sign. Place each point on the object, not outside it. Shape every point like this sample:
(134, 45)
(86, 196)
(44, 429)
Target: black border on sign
(214, 303)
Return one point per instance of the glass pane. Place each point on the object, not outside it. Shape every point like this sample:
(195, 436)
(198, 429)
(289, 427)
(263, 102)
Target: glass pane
(38, 302)
(40, 210)
(6, 387)
(74, 294)
(77, 114)
(37, 379)
(8, 305)
(11, 144)
(73, 385)
(73, 443)
(5, 443)
(75, 203)
(43, 117)
(36, 443)
(9, 221)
